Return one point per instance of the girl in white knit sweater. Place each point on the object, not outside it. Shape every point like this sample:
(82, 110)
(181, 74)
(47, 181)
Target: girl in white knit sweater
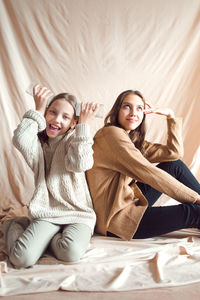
(58, 148)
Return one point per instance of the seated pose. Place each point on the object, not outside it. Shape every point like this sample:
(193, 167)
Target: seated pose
(59, 151)
(124, 183)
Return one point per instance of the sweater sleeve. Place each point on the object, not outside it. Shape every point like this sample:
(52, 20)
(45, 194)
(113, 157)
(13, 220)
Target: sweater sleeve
(25, 137)
(173, 149)
(79, 154)
(126, 159)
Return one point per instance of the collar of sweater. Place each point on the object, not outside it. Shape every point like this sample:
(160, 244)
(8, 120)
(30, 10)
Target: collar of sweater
(54, 141)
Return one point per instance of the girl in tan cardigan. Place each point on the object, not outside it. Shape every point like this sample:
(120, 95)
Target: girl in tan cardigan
(124, 183)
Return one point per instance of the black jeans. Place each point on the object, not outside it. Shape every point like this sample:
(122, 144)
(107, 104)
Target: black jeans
(160, 220)
(163, 219)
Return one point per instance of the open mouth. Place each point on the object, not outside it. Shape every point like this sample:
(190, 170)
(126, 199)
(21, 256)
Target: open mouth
(54, 127)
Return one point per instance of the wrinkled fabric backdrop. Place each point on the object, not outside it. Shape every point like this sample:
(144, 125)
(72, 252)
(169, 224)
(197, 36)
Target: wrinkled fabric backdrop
(96, 49)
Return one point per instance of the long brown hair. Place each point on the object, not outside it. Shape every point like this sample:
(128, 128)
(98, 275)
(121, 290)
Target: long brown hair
(69, 98)
(137, 135)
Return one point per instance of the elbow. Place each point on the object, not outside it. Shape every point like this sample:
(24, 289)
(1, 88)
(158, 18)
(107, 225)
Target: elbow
(80, 167)
(89, 166)
(85, 166)
(16, 142)
(181, 154)
(175, 155)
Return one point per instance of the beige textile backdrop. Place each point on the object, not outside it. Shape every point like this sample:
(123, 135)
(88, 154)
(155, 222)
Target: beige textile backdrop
(95, 49)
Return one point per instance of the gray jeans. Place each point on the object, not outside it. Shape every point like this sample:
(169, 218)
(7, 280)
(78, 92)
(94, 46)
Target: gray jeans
(25, 246)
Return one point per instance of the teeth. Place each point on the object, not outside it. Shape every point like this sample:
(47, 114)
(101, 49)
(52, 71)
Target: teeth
(54, 126)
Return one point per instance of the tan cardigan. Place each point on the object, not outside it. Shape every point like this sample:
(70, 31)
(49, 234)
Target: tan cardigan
(118, 202)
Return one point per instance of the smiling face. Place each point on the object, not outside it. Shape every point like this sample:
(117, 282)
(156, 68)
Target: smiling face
(131, 112)
(59, 118)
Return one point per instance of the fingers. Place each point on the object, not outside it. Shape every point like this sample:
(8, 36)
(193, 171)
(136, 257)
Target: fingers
(89, 107)
(39, 91)
(95, 108)
(153, 111)
(41, 96)
(148, 108)
(167, 112)
(197, 201)
(148, 104)
(88, 112)
(148, 111)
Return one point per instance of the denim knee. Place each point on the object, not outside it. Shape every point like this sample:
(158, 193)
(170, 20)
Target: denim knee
(192, 215)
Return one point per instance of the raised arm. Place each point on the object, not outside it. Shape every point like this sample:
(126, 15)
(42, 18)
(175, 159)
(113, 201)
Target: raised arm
(79, 157)
(126, 159)
(41, 97)
(25, 137)
(173, 149)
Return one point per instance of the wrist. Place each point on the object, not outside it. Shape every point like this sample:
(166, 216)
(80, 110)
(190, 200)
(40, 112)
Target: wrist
(83, 122)
(41, 110)
(37, 117)
(82, 129)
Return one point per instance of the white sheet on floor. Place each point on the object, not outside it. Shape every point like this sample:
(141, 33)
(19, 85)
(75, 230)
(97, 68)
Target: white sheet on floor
(111, 264)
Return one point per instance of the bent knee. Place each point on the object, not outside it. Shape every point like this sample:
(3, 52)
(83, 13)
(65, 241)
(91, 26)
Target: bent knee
(72, 254)
(22, 259)
(67, 249)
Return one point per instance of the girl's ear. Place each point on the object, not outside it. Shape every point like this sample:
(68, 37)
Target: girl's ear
(73, 124)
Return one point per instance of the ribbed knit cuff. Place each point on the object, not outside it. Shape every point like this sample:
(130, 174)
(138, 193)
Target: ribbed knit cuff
(37, 117)
(82, 130)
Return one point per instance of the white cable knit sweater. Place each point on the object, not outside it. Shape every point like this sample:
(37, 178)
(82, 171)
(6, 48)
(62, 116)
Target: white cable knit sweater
(61, 195)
